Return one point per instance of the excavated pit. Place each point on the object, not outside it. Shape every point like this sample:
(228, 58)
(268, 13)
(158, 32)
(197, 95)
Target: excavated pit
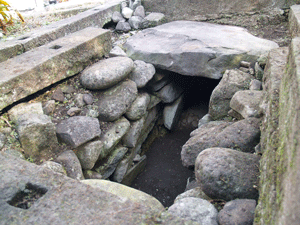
(164, 176)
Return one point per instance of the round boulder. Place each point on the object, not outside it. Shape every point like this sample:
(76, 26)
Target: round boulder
(227, 174)
(106, 73)
(239, 211)
(142, 73)
(195, 209)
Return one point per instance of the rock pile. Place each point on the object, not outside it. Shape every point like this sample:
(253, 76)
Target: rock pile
(224, 150)
(105, 126)
(133, 17)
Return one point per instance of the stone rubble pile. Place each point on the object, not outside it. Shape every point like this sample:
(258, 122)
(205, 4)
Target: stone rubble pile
(224, 151)
(106, 127)
(133, 17)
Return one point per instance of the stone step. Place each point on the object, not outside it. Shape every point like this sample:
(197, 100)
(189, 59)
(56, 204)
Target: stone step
(35, 70)
(96, 17)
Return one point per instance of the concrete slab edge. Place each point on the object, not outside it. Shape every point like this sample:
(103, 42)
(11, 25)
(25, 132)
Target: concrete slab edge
(35, 70)
(96, 17)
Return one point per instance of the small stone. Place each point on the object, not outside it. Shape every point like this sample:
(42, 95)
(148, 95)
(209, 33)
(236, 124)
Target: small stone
(58, 95)
(2, 140)
(79, 100)
(68, 89)
(239, 211)
(245, 64)
(153, 19)
(135, 22)
(195, 209)
(139, 11)
(78, 130)
(117, 17)
(139, 107)
(255, 85)
(127, 12)
(70, 162)
(117, 51)
(73, 111)
(88, 99)
(49, 107)
(25, 108)
(136, 4)
(259, 72)
(137, 158)
(142, 73)
(123, 26)
(56, 167)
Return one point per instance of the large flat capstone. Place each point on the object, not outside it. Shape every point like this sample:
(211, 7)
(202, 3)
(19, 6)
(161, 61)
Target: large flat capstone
(36, 69)
(196, 48)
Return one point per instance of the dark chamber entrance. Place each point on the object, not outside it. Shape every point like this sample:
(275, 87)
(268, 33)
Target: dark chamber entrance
(164, 176)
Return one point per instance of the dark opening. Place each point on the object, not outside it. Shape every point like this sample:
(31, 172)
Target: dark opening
(26, 198)
(56, 47)
(110, 25)
(164, 176)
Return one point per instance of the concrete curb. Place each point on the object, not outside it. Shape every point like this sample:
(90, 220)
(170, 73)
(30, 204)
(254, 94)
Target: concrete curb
(34, 70)
(95, 17)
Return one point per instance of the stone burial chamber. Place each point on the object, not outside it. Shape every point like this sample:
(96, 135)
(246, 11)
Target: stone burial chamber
(90, 133)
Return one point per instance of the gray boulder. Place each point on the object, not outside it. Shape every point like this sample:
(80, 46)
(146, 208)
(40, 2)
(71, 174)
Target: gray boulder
(115, 101)
(58, 95)
(37, 134)
(196, 48)
(195, 209)
(169, 93)
(153, 20)
(117, 51)
(231, 82)
(106, 73)
(142, 73)
(49, 107)
(247, 103)
(78, 203)
(117, 17)
(255, 85)
(171, 113)
(239, 211)
(127, 12)
(127, 194)
(123, 26)
(25, 108)
(243, 136)
(54, 166)
(88, 154)
(78, 130)
(139, 11)
(70, 162)
(113, 135)
(139, 107)
(78, 99)
(227, 174)
(135, 22)
(107, 167)
(194, 193)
